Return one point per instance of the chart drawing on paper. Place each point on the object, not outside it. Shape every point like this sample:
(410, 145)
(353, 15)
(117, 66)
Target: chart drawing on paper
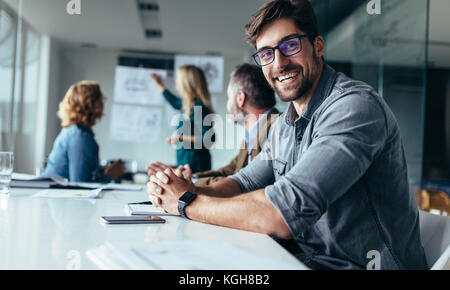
(133, 86)
(212, 66)
(135, 124)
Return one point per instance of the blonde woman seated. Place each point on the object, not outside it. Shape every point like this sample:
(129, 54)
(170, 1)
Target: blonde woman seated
(75, 152)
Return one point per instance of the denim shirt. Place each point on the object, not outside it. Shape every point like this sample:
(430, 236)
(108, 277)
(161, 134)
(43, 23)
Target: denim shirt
(337, 174)
(75, 155)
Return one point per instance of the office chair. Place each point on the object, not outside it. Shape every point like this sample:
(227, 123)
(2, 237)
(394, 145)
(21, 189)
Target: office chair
(435, 234)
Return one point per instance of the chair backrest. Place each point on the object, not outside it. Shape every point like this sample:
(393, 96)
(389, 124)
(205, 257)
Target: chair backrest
(435, 234)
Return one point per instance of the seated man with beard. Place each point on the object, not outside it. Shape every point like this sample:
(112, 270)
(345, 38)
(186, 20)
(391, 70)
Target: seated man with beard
(332, 174)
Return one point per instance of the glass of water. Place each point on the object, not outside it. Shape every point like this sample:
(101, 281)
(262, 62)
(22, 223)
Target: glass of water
(6, 170)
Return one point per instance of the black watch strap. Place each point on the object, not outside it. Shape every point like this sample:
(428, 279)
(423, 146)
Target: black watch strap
(184, 201)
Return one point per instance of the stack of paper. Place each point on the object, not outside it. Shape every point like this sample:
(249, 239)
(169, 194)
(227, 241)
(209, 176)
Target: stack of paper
(53, 181)
(21, 180)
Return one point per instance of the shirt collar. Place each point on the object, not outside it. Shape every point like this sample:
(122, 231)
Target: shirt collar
(254, 129)
(86, 129)
(321, 92)
(250, 135)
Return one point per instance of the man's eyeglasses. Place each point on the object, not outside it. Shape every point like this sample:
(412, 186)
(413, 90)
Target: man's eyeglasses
(288, 47)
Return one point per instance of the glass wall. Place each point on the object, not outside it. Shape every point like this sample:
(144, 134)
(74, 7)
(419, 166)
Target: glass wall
(386, 46)
(8, 32)
(19, 86)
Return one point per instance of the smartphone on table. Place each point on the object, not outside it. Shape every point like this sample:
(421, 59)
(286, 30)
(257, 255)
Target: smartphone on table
(132, 219)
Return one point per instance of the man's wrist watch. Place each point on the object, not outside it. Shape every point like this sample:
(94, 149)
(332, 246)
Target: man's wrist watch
(184, 201)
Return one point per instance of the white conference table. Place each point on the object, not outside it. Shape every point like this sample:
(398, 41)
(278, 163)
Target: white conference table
(57, 233)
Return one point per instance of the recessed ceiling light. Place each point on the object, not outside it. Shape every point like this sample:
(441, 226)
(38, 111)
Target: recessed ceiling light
(149, 13)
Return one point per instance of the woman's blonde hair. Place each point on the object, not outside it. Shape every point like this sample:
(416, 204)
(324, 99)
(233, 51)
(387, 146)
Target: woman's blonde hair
(82, 104)
(192, 85)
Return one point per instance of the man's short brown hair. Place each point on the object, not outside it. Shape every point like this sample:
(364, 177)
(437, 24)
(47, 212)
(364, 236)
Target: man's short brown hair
(250, 79)
(300, 11)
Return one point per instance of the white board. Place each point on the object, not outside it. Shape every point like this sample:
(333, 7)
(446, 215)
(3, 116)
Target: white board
(133, 86)
(212, 66)
(135, 124)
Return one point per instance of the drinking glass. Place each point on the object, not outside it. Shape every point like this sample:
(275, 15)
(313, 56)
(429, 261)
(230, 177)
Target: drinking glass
(6, 170)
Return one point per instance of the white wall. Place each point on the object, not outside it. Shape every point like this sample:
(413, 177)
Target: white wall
(99, 64)
(54, 85)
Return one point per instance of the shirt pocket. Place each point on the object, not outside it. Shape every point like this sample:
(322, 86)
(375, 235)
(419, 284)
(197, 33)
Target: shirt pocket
(279, 168)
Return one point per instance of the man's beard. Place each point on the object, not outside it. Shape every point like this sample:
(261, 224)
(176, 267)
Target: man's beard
(306, 82)
(236, 114)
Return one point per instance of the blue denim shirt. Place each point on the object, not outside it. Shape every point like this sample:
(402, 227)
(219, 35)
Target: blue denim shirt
(75, 155)
(338, 176)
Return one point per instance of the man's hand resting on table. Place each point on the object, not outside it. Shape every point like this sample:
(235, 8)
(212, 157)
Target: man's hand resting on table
(165, 188)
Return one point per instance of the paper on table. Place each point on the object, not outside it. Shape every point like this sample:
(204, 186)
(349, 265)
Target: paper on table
(44, 177)
(185, 255)
(43, 181)
(69, 193)
(22, 176)
(124, 187)
(108, 186)
(145, 209)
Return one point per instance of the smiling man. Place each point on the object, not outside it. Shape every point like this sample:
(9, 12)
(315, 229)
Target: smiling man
(332, 175)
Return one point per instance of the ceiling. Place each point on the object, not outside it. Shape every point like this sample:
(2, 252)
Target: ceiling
(191, 26)
(211, 26)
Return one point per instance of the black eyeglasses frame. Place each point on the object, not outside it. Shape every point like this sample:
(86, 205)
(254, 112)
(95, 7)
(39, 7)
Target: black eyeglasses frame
(299, 37)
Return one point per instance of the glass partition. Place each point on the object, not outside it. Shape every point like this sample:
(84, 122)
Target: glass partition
(19, 85)
(386, 47)
(8, 31)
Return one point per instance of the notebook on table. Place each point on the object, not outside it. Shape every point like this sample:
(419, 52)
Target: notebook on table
(145, 209)
(53, 181)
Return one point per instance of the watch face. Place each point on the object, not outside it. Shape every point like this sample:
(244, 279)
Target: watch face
(187, 197)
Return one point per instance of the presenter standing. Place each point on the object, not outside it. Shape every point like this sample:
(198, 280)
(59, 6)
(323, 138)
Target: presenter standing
(195, 104)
